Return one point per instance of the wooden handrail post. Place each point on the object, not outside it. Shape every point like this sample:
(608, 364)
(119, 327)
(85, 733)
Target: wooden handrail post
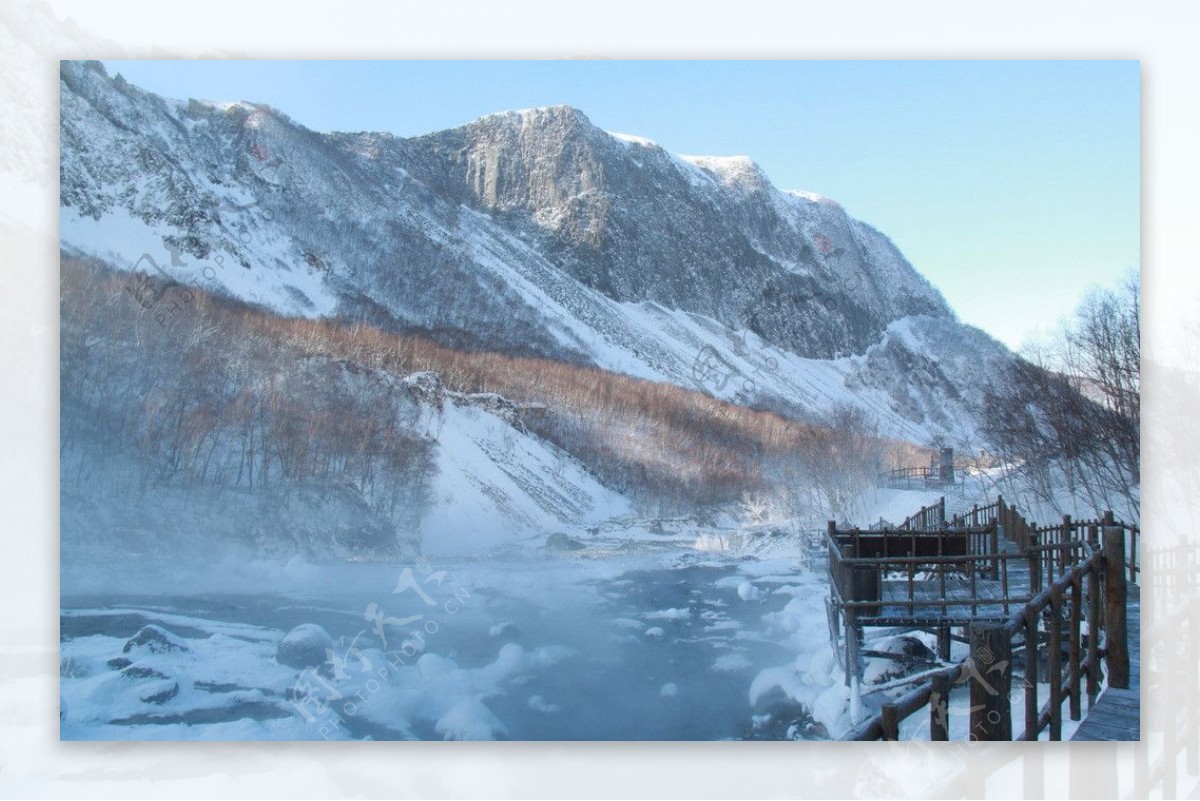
(1066, 537)
(889, 719)
(939, 708)
(1035, 566)
(943, 640)
(1032, 655)
(1093, 645)
(995, 550)
(1133, 555)
(1116, 638)
(991, 682)
(1054, 671)
(1073, 649)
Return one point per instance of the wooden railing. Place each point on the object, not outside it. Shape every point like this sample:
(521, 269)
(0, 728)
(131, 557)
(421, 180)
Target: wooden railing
(864, 563)
(927, 517)
(1024, 533)
(914, 477)
(989, 671)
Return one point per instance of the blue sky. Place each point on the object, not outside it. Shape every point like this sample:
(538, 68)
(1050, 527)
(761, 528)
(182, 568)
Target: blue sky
(1013, 186)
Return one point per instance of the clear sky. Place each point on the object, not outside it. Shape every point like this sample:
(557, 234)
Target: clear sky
(1012, 185)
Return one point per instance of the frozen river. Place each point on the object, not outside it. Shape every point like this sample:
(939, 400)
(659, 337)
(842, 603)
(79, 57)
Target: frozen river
(671, 644)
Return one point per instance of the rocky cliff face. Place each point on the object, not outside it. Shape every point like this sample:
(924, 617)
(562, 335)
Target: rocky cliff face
(705, 235)
(530, 232)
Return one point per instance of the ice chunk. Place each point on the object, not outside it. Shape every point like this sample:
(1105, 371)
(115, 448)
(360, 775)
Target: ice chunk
(669, 690)
(730, 663)
(669, 614)
(748, 592)
(470, 719)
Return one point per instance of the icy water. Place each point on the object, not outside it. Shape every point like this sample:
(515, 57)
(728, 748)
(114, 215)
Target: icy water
(556, 649)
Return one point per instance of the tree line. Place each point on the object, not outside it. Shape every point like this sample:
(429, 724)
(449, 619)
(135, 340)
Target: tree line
(229, 394)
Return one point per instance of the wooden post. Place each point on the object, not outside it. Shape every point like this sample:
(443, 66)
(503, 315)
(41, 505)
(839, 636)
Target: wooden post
(1116, 639)
(995, 550)
(1066, 536)
(1073, 671)
(1093, 646)
(851, 631)
(943, 642)
(991, 655)
(939, 708)
(1133, 555)
(1032, 710)
(942, 587)
(1035, 567)
(889, 718)
(1055, 662)
(974, 590)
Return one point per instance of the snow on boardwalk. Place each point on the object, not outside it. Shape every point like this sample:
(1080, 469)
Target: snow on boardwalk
(1116, 715)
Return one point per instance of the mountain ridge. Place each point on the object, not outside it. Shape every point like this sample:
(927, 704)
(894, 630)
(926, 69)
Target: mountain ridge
(529, 232)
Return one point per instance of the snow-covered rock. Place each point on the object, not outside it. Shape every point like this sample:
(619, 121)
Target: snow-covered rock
(153, 640)
(559, 541)
(307, 645)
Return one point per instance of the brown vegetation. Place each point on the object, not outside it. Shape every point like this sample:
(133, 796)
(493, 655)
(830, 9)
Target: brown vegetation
(238, 376)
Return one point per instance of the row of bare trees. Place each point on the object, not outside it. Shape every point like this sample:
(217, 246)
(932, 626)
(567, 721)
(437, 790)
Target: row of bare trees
(1069, 414)
(209, 397)
(229, 395)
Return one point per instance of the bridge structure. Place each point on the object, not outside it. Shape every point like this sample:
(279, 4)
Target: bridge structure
(1047, 615)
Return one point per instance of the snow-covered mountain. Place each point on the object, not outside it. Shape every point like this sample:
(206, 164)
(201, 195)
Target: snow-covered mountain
(531, 232)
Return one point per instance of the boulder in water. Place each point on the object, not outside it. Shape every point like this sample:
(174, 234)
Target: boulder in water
(305, 646)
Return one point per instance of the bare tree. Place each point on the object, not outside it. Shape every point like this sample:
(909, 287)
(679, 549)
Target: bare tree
(1069, 414)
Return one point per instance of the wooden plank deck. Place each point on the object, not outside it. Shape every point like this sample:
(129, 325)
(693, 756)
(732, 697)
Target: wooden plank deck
(1117, 714)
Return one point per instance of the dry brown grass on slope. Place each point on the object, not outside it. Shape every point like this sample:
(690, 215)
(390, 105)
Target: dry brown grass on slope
(652, 439)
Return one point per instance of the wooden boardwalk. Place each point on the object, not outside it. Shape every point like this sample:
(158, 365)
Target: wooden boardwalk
(1117, 714)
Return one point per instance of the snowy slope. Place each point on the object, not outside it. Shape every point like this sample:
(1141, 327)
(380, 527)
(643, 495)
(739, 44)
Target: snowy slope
(498, 485)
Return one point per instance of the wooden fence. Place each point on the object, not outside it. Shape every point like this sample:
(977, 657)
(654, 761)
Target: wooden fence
(1024, 533)
(1061, 608)
(927, 518)
(915, 478)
